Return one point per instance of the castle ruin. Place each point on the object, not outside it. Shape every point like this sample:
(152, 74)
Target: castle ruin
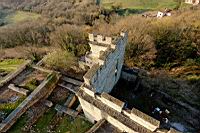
(105, 61)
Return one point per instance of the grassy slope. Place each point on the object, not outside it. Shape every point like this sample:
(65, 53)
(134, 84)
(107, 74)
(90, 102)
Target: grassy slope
(20, 16)
(141, 4)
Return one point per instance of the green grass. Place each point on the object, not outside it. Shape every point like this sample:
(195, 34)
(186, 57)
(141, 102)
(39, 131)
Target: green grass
(32, 84)
(9, 107)
(10, 65)
(65, 125)
(17, 127)
(20, 16)
(44, 121)
(141, 4)
(73, 126)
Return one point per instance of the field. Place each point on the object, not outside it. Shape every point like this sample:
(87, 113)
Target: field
(20, 16)
(141, 4)
(13, 17)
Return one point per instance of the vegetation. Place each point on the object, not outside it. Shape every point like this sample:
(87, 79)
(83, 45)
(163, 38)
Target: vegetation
(65, 124)
(20, 16)
(60, 60)
(9, 107)
(157, 43)
(17, 127)
(168, 46)
(43, 123)
(32, 84)
(73, 126)
(140, 4)
(10, 65)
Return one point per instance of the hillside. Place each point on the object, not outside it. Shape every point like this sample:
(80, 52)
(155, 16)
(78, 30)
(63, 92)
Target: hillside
(165, 51)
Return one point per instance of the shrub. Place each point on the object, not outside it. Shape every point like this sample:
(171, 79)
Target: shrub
(61, 59)
(71, 39)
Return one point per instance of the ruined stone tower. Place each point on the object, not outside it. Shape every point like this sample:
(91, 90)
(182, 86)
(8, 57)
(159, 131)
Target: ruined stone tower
(105, 61)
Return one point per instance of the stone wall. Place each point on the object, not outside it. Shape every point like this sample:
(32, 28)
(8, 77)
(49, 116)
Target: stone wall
(95, 110)
(136, 113)
(112, 102)
(42, 91)
(105, 61)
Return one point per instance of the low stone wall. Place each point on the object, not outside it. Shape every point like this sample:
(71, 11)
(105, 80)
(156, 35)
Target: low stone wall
(95, 110)
(145, 117)
(112, 102)
(11, 76)
(73, 81)
(96, 126)
(42, 91)
(19, 90)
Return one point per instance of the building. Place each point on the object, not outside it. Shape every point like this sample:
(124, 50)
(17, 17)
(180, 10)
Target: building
(194, 2)
(105, 62)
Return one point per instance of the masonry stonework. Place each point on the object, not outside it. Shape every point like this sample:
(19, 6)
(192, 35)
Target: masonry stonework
(105, 61)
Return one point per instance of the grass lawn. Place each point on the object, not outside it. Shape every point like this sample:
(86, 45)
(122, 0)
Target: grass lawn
(141, 4)
(18, 126)
(10, 65)
(43, 123)
(68, 125)
(20, 16)
(65, 124)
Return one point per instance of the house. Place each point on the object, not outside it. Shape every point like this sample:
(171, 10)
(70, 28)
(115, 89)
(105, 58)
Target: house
(167, 12)
(194, 2)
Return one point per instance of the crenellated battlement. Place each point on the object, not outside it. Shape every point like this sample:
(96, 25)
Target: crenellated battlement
(100, 39)
(105, 60)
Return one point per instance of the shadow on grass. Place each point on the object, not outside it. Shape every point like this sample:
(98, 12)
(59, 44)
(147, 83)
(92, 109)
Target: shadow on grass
(128, 11)
(3, 14)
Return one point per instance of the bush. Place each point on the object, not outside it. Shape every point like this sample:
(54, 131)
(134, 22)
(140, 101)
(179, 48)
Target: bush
(61, 59)
(27, 33)
(70, 38)
(175, 44)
